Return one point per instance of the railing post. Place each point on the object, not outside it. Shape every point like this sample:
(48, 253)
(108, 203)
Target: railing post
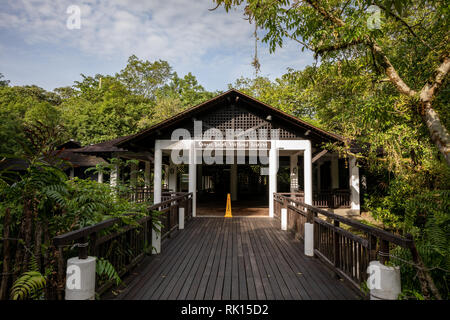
(309, 233)
(372, 247)
(181, 218)
(337, 247)
(156, 238)
(83, 248)
(384, 251)
(284, 215)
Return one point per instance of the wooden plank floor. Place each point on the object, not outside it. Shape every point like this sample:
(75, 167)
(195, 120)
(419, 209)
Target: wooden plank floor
(239, 259)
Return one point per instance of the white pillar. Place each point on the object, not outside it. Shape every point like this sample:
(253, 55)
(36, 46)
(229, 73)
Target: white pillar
(72, 173)
(309, 239)
(273, 167)
(309, 227)
(233, 181)
(80, 280)
(100, 177)
(181, 218)
(173, 178)
(294, 172)
(283, 219)
(308, 174)
(156, 234)
(384, 282)
(354, 184)
(193, 178)
(114, 176)
(147, 173)
(157, 173)
(334, 172)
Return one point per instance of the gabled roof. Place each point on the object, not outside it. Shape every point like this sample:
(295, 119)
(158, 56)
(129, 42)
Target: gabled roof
(104, 147)
(203, 107)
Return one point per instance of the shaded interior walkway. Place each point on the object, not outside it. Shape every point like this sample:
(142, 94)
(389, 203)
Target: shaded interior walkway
(241, 208)
(238, 258)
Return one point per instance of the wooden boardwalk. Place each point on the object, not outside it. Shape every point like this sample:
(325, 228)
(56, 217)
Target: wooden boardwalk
(237, 259)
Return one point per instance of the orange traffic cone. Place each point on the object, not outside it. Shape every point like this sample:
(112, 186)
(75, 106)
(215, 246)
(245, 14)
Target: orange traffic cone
(228, 210)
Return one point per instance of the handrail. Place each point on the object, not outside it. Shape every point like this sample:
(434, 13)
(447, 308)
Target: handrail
(125, 247)
(380, 233)
(349, 254)
(70, 236)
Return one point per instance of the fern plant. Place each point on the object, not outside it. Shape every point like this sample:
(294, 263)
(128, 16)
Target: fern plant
(30, 284)
(106, 270)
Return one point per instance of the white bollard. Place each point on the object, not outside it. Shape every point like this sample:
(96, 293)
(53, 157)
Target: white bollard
(181, 218)
(384, 281)
(309, 239)
(156, 240)
(283, 219)
(80, 279)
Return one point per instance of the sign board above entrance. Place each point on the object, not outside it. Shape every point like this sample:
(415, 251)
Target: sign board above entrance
(233, 145)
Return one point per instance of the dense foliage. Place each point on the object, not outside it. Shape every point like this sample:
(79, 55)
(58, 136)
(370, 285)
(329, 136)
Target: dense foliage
(40, 202)
(372, 85)
(385, 88)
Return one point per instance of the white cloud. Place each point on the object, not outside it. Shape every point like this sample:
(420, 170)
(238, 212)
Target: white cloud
(183, 32)
(174, 29)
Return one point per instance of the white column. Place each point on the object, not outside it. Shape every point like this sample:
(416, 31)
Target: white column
(354, 184)
(80, 282)
(294, 172)
(273, 167)
(284, 219)
(193, 178)
(156, 234)
(181, 218)
(114, 176)
(173, 178)
(157, 173)
(309, 227)
(147, 173)
(308, 174)
(72, 173)
(100, 177)
(233, 181)
(334, 172)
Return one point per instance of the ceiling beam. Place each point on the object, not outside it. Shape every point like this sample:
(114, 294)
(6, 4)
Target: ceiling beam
(319, 155)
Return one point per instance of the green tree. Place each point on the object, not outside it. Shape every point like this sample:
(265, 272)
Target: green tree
(409, 50)
(3, 83)
(144, 77)
(101, 109)
(21, 105)
(186, 89)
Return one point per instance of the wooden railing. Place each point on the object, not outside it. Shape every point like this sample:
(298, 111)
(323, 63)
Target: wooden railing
(140, 194)
(344, 244)
(143, 194)
(123, 245)
(329, 199)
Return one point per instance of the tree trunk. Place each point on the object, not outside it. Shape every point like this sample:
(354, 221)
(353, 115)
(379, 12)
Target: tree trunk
(439, 134)
(5, 277)
(426, 281)
(27, 221)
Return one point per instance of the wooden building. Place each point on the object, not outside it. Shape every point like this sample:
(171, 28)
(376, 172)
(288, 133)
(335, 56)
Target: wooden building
(233, 129)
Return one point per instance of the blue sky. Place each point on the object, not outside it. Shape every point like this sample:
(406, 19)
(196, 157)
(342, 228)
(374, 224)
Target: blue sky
(36, 47)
